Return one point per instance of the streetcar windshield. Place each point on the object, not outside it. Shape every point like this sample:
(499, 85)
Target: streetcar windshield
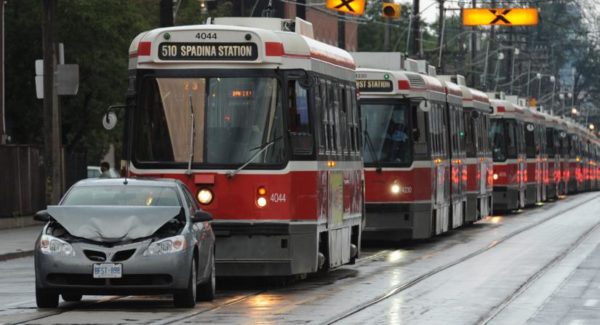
(235, 120)
(387, 134)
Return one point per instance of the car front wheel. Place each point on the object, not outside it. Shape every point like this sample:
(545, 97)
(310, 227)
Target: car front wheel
(187, 297)
(206, 290)
(45, 298)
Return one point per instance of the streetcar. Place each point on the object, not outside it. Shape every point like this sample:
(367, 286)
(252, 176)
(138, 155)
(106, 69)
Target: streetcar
(508, 151)
(479, 164)
(260, 121)
(406, 149)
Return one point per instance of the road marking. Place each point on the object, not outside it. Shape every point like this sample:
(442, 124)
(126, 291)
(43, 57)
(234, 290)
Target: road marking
(591, 303)
(20, 303)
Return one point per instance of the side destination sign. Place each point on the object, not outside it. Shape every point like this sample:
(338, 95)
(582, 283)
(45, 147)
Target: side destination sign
(375, 85)
(208, 51)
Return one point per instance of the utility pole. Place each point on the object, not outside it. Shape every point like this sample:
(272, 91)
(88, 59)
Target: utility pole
(341, 31)
(416, 29)
(300, 9)
(386, 33)
(52, 134)
(441, 27)
(2, 101)
(473, 48)
(166, 13)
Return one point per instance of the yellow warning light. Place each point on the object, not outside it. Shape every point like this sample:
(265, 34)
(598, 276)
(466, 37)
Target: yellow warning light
(352, 7)
(500, 16)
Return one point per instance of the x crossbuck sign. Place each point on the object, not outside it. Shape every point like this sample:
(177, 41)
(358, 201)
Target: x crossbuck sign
(353, 7)
(501, 17)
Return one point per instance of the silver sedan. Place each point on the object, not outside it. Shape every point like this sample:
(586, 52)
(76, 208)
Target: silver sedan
(123, 237)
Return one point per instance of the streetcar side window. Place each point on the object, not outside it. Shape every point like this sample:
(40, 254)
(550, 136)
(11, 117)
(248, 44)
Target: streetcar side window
(550, 143)
(299, 125)
(472, 130)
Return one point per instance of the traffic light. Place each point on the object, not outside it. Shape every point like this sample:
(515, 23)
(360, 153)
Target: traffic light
(390, 10)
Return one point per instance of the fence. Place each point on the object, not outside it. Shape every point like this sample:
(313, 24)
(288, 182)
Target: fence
(22, 185)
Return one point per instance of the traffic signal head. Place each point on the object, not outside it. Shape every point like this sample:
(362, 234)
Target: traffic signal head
(390, 10)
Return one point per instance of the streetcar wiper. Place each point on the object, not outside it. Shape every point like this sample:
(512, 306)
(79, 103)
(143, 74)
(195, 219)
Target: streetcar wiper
(192, 137)
(372, 151)
(262, 148)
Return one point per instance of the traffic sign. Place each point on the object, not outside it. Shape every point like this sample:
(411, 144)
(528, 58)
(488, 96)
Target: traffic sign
(500, 17)
(353, 7)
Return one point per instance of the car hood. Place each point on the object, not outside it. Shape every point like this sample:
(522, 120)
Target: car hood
(112, 223)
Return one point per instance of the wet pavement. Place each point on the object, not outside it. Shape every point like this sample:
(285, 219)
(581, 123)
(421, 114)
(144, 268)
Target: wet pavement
(540, 266)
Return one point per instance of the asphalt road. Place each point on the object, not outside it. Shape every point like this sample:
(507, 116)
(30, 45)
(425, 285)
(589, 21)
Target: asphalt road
(538, 266)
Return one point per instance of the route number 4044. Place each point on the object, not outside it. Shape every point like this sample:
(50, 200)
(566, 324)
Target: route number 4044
(278, 197)
(206, 35)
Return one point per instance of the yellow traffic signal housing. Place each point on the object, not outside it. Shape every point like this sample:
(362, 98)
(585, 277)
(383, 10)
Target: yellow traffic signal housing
(390, 10)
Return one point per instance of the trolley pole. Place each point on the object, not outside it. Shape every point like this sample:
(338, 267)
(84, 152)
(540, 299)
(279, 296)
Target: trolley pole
(441, 29)
(2, 101)
(300, 9)
(52, 145)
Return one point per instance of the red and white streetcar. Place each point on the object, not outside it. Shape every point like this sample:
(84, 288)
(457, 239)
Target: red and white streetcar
(260, 121)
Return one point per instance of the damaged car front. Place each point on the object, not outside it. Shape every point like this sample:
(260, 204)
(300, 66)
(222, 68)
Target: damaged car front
(111, 237)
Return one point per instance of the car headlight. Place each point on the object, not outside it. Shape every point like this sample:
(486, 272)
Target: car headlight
(166, 246)
(51, 245)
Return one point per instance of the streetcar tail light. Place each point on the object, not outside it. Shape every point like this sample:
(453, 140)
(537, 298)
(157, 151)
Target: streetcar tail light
(261, 191)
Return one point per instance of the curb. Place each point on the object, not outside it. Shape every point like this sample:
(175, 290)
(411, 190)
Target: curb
(14, 255)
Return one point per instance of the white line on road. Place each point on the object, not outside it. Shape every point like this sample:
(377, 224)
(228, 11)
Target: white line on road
(591, 303)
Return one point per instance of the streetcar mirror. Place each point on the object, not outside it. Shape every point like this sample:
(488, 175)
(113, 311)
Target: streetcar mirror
(302, 143)
(109, 120)
(475, 115)
(563, 134)
(307, 81)
(424, 106)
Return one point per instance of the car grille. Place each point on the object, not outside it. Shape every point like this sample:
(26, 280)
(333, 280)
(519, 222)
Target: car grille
(95, 256)
(123, 255)
(126, 280)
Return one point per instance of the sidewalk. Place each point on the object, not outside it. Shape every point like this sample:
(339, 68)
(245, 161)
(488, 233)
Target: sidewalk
(18, 242)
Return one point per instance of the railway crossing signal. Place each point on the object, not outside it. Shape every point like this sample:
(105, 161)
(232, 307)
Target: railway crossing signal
(352, 7)
(500, 17)
(390, 10)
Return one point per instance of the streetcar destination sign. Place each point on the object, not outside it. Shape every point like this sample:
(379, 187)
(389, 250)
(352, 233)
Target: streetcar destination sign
(208, 51)
(375, 85)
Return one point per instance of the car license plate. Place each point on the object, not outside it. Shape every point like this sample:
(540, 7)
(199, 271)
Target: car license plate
(108, 271)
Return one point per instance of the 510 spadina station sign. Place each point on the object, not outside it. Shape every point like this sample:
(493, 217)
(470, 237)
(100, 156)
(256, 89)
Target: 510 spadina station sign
(208, 51)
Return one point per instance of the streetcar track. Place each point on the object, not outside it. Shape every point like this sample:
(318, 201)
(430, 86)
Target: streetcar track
(397, 289)
(402, 287)
(534, 277)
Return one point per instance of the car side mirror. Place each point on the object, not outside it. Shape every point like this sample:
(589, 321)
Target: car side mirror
(41, 215)
(201, 216)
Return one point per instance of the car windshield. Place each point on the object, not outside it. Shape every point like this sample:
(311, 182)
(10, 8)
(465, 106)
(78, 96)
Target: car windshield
(122, 195)
(387, 129)
(233, 119)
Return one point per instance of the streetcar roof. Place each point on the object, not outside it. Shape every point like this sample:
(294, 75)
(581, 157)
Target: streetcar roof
(220, 45)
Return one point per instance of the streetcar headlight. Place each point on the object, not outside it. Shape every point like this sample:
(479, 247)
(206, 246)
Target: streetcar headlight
(495, 177)
(395, 188)
(205, 196)
(261, 202)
